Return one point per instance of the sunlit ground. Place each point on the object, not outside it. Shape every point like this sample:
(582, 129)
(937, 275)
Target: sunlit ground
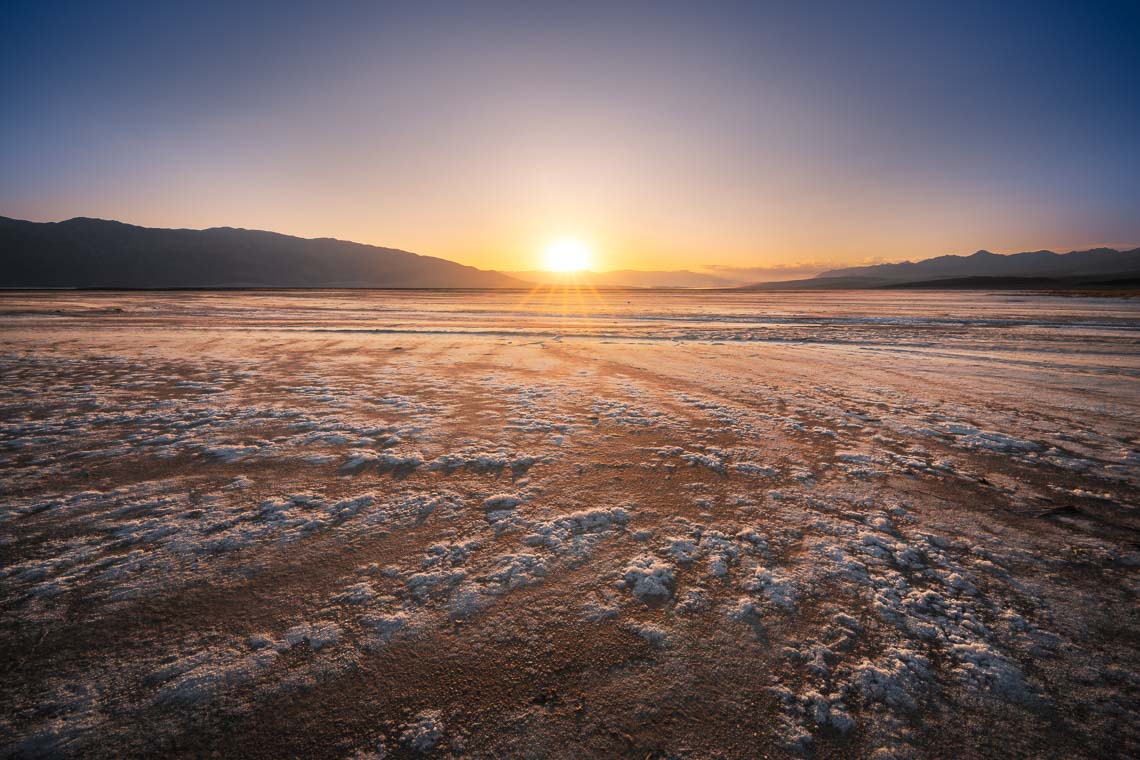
(569, 522)
(572, 296)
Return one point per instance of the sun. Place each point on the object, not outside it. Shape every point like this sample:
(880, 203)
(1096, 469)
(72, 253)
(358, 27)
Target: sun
(567, 255)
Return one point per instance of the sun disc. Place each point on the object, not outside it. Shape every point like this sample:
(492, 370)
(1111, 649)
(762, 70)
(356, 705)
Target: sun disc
(567, 256)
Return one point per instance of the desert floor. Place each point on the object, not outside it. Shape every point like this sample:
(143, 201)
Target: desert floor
(569, 524)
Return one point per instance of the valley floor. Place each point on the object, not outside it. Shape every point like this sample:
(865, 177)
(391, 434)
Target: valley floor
(366, 524)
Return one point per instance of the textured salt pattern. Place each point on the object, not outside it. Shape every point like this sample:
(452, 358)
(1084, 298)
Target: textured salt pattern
(693, 525)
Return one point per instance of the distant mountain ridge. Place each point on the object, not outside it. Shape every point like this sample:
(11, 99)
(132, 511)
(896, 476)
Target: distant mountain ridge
(1095, 261)
(97, 253)
(1093, 268)
(718, 277)
(629, 278)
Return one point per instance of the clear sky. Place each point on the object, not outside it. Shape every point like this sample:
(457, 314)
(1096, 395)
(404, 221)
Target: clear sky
(661, 135)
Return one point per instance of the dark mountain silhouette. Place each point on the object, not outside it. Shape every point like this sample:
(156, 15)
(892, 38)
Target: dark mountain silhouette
(986, 264)
(1097, 267)
(94, 253)
(829, 283)
(1124, 280)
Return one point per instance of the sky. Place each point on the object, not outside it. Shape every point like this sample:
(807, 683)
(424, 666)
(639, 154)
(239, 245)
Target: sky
(660, 135)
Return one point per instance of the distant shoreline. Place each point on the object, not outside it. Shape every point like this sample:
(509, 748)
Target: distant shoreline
(1128, 289)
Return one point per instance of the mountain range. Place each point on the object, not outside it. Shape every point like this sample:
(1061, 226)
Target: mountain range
(986, 264)
(96, 253)
(1032, 269)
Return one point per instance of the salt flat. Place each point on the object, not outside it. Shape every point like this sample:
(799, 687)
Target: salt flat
(568, 524)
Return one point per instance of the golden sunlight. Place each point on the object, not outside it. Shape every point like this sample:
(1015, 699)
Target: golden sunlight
(567, 255)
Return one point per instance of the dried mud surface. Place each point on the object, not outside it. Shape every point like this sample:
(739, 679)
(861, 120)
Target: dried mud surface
(372, 524)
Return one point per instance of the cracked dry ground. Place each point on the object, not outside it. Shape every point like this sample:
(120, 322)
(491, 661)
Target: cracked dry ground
(244, 538)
